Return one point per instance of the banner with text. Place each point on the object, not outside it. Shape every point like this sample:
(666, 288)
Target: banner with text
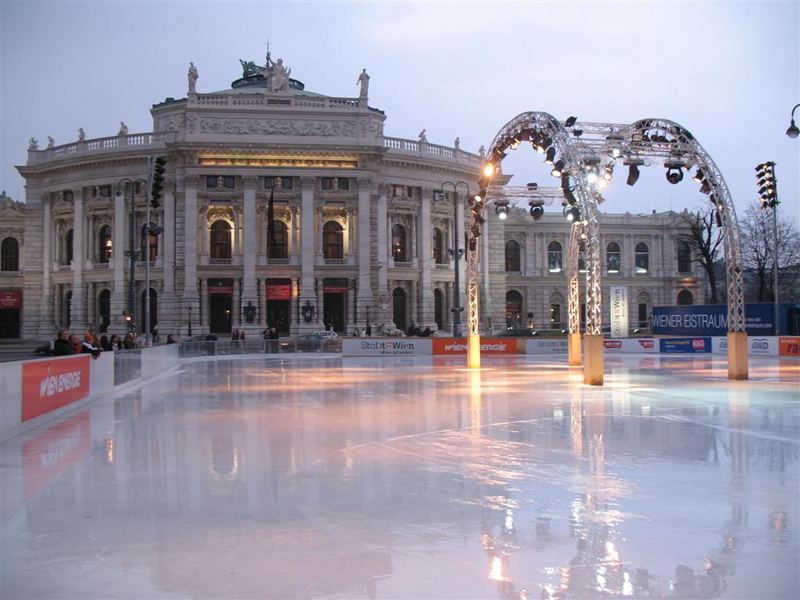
(488, 346)
(618, 298)
(51, 384)
(386, 347)
(710, 319)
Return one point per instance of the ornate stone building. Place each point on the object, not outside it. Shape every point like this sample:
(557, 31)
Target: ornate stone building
(288, 208)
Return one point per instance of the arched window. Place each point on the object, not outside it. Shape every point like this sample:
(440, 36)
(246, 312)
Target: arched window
(554, 257)
(332, 240)
(149, 243)
(399, 250)
(642, 258)
(613, 258)
(684, 258)
(66, 248)
(438, 246)
(104, 244)
(556, 302)
(685, 297)
(513, 309)
(512, 257)
(280, 247)
(643, 312)
(220, 240)
(582, 257)
(9, 255)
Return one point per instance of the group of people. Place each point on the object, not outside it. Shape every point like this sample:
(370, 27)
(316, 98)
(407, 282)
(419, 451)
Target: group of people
(67, 343)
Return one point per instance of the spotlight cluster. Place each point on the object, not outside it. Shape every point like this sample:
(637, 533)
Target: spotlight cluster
(767, 185)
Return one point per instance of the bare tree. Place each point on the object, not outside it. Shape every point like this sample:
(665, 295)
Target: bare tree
(704, 239)
(758, 245)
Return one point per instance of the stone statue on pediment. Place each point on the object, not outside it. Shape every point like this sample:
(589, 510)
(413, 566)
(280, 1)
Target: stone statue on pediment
(363, 81)
(50, 142)
(81, 134)
(277, 75)
(33, 144)
(123, 129)
(249, 68)
(422, 137)
(192, 76)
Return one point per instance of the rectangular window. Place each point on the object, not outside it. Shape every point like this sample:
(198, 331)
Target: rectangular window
(211, 181)
(343, 183)
(280, 183)
(399, 191)
(230, 182)
(327, 183)
(613, 262)
(105, 191)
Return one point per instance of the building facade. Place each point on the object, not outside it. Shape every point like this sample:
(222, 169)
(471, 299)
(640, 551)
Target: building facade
(287, 208)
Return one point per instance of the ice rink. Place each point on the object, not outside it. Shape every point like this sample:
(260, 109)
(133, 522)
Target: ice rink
(317, 476)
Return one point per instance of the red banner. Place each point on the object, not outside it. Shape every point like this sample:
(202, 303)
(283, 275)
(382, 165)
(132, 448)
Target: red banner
(10, 300)
(46, 456)
(220, 289)
(279, 292)
(488, 346)
(789, 346)
(51, 384)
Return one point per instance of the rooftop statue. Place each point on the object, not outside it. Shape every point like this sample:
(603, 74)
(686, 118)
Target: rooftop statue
(277, 75)
(50, 142)
(249, 68)
(81, 134)
(123, 129)
(192, 76)
(33, 144)
(363, 81)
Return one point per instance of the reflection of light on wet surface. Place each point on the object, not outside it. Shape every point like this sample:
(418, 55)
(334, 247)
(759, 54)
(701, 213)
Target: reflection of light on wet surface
(395, 478)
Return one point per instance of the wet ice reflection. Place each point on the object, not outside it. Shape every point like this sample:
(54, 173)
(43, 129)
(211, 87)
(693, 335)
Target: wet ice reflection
(398, 478)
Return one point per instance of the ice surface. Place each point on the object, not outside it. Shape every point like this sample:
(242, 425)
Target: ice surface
(301, 477)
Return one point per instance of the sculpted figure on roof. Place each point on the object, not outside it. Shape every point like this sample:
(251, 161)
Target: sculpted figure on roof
(277, 75)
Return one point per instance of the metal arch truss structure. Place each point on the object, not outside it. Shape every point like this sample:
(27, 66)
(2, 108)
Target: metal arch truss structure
(577, 236)
(585, 148)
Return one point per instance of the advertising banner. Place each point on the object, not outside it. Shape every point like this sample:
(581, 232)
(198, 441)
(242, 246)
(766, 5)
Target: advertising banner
(789, 346)
(51, 384)
(488, 346)
(631, 345)
(710, 319)
(386, 347)
(618, 307)
(46, 456)
(546, 346)
(698, 345)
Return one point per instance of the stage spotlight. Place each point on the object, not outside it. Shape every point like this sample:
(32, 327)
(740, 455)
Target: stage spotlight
(699, 176)
(488, 169)
(674, 175)
(572, 214)
(570, 121)
(550, 155)
(501, 211)
(633, 174)
(558, 169)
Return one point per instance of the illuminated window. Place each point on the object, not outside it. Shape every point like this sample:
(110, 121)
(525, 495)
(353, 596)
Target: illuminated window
(280, 248)
(149, 244)
(220, 240)
(399, 243)
(332, 240)
(104, 244)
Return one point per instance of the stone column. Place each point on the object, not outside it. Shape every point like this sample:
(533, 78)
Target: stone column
(190, 294)
(425, 244)
(78, 307)
(365, 297)
(307, 234)
(249, 291)
(167, 317)
(383, 316)
(45, 324)
(118, 248)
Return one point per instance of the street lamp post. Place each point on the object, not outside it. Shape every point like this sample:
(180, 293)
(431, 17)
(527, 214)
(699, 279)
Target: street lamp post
(793, 131)
(190, 320)
(131, 252)
(456, 253)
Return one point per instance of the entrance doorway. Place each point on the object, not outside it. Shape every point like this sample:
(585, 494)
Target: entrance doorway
(399, 308)
(438, 308)
(278, 298)
(104, 310)
(220, 305)
(333, 315)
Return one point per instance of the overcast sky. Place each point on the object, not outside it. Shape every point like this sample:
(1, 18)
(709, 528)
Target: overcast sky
(727, 71)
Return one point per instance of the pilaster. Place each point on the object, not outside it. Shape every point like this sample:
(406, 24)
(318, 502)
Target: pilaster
(307, 292)
(78, 305)
(365, 298)
(425, 314)
(191, 300)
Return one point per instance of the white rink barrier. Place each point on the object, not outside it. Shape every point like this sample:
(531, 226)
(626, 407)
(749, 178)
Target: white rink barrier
(632, 345)
(757, 345)
(36, 391)
(387, 347)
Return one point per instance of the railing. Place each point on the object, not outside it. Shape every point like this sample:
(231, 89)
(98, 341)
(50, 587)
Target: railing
(414, 147)
(284, 345)
(97, 145)
(442, 266)
(336, 261)
(260, 101)
(279, 261)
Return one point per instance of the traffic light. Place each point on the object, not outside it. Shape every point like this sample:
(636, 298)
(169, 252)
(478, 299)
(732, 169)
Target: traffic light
(767, 185)
(157, 185)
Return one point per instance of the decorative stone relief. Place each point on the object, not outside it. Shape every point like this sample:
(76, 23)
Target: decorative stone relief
(278, 127)
(336, 213)
(216, 213)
